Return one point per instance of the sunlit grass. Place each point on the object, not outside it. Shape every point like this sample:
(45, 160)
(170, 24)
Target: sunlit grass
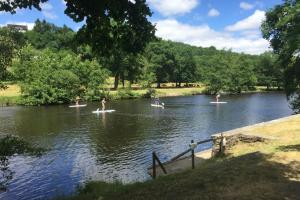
(12, 91)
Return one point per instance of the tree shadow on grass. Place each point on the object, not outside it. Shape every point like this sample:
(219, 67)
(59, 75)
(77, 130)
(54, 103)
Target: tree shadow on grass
(286, 148)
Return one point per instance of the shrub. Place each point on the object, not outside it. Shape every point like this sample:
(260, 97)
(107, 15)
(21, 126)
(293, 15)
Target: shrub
(151, 93)
(127, 93)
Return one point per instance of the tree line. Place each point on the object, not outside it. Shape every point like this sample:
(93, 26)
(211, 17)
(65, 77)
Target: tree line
(52, 65)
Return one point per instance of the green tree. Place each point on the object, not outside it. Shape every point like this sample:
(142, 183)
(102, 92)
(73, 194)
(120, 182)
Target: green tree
(282, 29)
(50, 78)
(162, 60)
(269, 72)
(184, 68)
(227, 71)
(242, 74)
(109, 24)
(217, 77)
(6, 55)
(18, 37)
(47, 35)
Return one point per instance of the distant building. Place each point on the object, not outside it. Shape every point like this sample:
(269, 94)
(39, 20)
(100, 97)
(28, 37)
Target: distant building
(17, 27)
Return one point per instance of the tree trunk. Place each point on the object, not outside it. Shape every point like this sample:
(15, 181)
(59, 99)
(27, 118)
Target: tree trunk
(116, 81)
(158, 84)
(123, 80)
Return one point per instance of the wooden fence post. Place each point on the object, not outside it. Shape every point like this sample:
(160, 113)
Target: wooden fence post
(153, 165)
(193, 153)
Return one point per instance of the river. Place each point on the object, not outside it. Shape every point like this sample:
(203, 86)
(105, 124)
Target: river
(117, 146)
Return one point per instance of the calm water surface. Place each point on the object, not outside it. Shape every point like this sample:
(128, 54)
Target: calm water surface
(117, 146)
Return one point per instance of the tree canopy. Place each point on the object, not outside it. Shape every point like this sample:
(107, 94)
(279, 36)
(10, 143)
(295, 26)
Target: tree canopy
(48, 77)
(6, 54)
(109, 24)
(10, 41)
(47, 35)
(282, 29)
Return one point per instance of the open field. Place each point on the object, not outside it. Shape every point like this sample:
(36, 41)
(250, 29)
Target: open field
(261, 170)
(10, 96)
(12, 91)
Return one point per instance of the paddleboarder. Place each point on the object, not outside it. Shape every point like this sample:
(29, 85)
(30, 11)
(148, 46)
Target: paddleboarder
(77, 100)
(218, 96)
(157, 101)
(103, 103)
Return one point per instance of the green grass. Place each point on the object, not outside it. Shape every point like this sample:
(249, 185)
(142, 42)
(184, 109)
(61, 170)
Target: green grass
(10, 96)
(268, 170)
(9, 101)
(12, 91)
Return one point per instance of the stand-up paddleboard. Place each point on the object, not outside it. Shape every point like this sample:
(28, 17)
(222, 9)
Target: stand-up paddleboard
(217, 102)
(103, 111)
(77, 106)
(158, 105)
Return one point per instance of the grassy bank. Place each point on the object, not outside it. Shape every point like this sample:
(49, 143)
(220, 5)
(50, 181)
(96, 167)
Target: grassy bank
(268, 170)
(10, 96)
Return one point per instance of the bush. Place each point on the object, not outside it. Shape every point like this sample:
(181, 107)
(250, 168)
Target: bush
(151, 93)
(126, 93)
(9, 101)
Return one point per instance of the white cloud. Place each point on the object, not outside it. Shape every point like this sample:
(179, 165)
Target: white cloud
(204, 36)
(49, 14)
(246, 6)
(173, 7)
(252, 22)
(28, 24)
(213, 12)
(47, 11)
(46, 6)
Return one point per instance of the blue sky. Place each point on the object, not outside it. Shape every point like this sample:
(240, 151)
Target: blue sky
(225, 24)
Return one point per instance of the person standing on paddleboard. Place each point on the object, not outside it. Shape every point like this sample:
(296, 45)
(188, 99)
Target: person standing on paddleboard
(218, 96)
(77, 100)
(157, 101)
(103, 103)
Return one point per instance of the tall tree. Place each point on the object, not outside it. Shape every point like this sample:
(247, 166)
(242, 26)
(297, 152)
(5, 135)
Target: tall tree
(109, 24)
(282, 29)
(47, 35)
(6, 55)
(269, 72)
(162, 60)
(10, 41)
(184, 68)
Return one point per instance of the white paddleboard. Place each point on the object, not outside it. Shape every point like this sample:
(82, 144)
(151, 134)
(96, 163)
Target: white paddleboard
(77, 106)
(157, 105)
(103, 111)
(217, 102)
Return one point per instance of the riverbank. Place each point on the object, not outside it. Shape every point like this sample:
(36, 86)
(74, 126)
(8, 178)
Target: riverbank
(12, 95)
(260, 170)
